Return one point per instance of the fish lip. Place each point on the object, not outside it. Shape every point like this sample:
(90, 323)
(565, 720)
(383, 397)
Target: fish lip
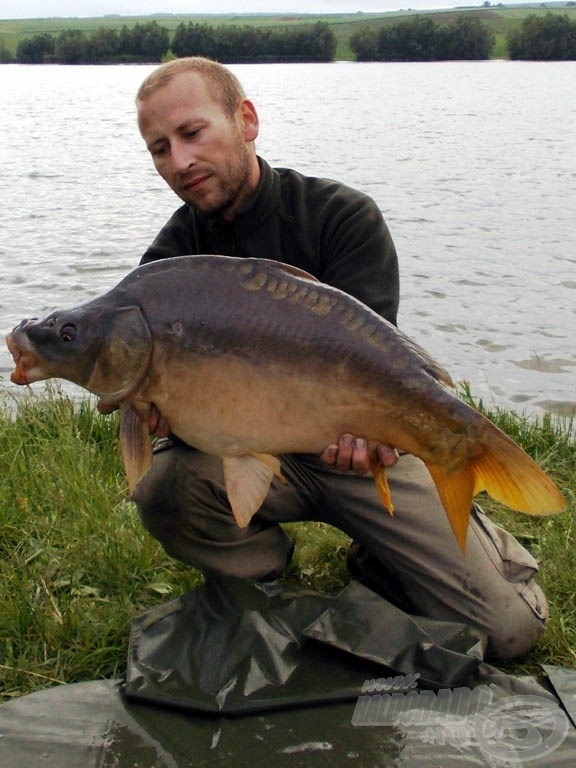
(26, 363)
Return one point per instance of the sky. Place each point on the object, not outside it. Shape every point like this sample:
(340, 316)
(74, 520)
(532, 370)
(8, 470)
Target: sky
(22, 9)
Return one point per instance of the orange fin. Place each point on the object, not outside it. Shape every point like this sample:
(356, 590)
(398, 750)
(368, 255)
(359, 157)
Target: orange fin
(506, 473)
(247, 481)
(381, 480)
(512, 477)
(135, 446)
(456, 491)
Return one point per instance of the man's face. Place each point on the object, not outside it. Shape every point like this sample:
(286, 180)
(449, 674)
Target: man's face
(205, 155)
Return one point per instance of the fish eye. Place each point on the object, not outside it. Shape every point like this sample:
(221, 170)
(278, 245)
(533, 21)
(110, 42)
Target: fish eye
(68, 332)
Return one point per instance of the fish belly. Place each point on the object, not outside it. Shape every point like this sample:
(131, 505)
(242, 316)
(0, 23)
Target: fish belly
(229, 407)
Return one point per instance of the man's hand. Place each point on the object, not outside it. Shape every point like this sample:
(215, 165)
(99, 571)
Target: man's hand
(351, 454)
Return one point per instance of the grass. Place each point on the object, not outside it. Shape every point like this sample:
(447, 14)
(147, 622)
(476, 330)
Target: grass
(76, 566)
(501, 22)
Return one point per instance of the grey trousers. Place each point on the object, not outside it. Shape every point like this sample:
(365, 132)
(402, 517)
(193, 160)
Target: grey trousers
(412, 557)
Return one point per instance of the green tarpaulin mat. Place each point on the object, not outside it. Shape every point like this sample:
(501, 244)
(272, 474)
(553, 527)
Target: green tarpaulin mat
(237, 674)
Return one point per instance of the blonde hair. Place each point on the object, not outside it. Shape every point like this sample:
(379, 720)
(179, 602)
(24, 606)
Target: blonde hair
(225, 87)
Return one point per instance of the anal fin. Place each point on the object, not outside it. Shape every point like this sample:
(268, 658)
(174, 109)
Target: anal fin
(247, 481)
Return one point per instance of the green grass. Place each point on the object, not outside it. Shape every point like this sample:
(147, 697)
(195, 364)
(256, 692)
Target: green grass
(76, 566)
(501, 21)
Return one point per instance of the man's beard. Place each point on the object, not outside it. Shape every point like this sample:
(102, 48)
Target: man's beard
(233, 190)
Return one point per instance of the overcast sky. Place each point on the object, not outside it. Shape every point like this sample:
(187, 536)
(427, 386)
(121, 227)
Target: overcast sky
(21, 9)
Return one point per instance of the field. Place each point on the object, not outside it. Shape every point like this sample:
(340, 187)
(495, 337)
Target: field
(76, 565)
(501, 22)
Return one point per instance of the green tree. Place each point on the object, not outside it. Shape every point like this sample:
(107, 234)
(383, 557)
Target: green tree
(413, 40)
(154, 41)
(194, 40)
(364, 45)
(103, 45)
(35, 50)
(544, 38)
(324, 42)
(466, 38)
(71, 47)
(143, 43)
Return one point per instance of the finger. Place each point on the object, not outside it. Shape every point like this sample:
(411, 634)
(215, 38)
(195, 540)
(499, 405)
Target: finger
(387, 455)
(360, 457)
(329, 454)
(345, 451)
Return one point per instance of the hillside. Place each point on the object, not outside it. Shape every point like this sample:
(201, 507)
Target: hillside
(501, 21)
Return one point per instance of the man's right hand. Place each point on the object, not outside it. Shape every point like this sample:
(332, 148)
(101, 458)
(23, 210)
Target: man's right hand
(350, 454)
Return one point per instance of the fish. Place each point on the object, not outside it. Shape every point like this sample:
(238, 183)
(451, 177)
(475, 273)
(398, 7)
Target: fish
(249, 359)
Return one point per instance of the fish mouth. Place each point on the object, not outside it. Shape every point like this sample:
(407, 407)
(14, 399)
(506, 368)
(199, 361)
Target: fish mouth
(27, 368)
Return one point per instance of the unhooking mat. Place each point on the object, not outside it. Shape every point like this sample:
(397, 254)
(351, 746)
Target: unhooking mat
(236, 674)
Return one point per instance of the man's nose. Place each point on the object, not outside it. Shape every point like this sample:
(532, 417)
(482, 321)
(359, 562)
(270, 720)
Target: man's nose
(182, 156)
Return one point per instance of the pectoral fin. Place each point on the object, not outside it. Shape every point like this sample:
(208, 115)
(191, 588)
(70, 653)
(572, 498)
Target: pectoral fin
(135, 446)
(247, 481)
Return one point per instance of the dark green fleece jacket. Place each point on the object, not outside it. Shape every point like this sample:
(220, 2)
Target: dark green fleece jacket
(334, 232)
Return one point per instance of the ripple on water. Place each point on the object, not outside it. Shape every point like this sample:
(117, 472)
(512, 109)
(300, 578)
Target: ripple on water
(546, 365)
(492, 346)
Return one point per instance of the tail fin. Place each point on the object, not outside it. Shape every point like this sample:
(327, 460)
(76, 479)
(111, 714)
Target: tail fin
(506, 473)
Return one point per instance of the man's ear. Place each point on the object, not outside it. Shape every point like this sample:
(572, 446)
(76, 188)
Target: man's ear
(248, 120)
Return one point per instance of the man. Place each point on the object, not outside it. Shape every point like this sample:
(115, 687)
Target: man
(200, 129)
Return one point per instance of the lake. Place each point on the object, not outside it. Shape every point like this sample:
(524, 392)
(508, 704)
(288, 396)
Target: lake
(472, 163)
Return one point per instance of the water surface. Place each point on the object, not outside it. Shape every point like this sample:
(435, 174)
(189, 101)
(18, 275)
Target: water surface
(472, 163)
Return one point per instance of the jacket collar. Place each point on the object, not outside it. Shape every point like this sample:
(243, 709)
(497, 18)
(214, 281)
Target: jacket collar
(260, 206)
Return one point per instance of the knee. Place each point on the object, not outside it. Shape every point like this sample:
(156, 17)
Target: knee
(514, 628)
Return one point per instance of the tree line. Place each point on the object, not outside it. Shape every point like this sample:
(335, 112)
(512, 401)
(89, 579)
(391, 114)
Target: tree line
(141, 43)
(145, 43)
(547, 37)
(421, 39)
(316, 42)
